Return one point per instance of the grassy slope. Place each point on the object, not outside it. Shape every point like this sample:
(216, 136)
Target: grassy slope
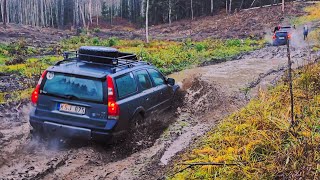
(170, 56)
(259, 137)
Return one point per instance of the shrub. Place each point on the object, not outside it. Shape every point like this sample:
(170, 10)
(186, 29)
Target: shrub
(96, 41)
(113, 41)
(96, 30)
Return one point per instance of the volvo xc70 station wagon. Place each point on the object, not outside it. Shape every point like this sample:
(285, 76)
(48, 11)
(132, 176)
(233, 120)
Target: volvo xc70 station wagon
(98, 93)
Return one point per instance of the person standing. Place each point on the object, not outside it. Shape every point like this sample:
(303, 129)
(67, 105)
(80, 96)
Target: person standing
(305, 32)
(277, 28)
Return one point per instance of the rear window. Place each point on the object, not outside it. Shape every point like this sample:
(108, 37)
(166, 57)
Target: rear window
(282, 34)
(126, 85)
(73, 87)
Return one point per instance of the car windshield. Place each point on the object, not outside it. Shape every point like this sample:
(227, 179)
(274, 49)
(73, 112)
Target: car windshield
(73, 87)
(281, 34)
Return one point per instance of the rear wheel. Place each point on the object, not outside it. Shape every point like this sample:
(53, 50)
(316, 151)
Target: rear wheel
(137, 128)
(137, 132)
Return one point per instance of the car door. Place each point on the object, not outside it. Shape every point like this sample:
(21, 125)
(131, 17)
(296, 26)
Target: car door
(146, 91)
(162, 90)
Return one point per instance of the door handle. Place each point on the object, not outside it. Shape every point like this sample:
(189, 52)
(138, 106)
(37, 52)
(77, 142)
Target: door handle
(147, 99)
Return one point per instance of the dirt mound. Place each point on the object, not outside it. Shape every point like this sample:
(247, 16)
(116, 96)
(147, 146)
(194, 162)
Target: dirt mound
(34, 36)
(243, 24)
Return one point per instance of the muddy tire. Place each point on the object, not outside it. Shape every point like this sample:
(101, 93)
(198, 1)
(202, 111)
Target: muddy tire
(137, 128)
(136, 122)
(137, 132)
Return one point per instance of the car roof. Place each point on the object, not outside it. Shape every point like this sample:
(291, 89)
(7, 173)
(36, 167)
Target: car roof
(96, 70)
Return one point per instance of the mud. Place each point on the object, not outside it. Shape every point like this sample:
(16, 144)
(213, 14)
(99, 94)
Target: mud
(14, 82)
(34, 36)
(208, 94)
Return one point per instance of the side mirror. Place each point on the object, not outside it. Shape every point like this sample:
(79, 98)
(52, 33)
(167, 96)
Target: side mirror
(171, 81)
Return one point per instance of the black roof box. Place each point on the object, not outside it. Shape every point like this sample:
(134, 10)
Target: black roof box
(98, 54)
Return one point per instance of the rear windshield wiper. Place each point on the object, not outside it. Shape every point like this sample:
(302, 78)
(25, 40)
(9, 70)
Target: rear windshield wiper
(66, 96)
(70, 96)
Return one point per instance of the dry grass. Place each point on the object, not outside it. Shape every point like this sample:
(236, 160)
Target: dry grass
(261, 140)
(313, 15)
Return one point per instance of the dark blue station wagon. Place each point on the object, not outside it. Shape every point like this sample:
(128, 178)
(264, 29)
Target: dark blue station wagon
(98, 94)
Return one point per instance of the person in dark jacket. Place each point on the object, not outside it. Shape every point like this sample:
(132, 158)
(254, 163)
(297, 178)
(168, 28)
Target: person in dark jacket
(305, 32)
(277, 28)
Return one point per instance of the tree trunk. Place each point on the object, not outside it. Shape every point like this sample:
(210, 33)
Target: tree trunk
(241, 4)
(170, 11)
(211, 7)
(97, 15)
(147, 22)
(253, 3)
(83, 17)
(227, 6)
(191, 9)
(282, 6)
(230, 7)
(5, 13)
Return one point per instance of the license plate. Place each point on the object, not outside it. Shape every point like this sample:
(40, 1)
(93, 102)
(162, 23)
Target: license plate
(281, 37)
(72, 109)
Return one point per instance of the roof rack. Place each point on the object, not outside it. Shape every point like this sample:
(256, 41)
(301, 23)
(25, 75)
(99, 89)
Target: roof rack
(123, 60)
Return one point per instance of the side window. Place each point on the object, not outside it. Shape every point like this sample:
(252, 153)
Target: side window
(144, 79)
(126, 85)
(157, 77)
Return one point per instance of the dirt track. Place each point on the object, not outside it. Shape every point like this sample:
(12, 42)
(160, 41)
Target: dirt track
(209, 94)
(218, 91)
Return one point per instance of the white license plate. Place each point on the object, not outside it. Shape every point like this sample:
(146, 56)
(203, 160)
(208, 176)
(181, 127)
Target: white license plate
(281, 37)
(72, 109)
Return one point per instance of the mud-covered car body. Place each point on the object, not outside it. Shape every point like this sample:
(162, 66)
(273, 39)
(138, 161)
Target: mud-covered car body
(87, 98)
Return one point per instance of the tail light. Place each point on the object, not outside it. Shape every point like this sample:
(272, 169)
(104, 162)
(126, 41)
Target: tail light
(289, 36)
(274, 37)
(113, 107)
(36, 91)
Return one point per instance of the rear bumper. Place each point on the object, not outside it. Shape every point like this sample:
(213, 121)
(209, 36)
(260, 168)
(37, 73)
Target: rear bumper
(56, 129)
(279, 42)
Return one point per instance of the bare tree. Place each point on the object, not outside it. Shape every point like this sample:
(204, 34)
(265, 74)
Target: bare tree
(147, 22)
(283, 6)
(5, 13)
(212, 7)
(227, 6)
(170, 11)
(253, 3)
(191, 2)
(241, 4)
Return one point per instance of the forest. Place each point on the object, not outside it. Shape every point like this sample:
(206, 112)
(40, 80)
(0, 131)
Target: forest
(87, 13)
